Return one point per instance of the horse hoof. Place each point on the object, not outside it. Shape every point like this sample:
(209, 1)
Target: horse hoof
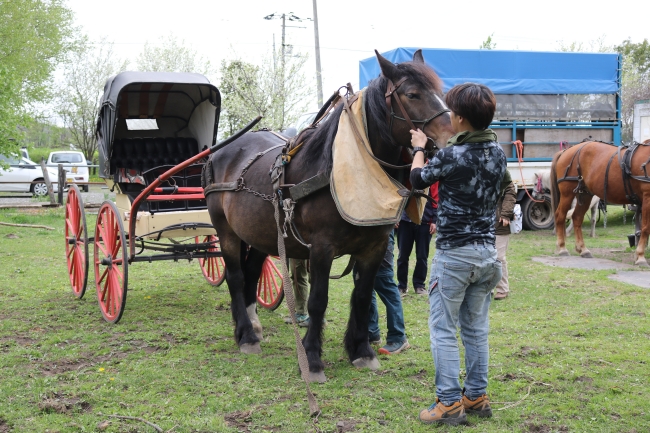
(318, 377)
(586, 255)
(563, 253)
(250, 348)
(371, 363)
(642, 262)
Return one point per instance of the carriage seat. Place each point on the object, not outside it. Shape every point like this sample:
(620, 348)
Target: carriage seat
(142, 154)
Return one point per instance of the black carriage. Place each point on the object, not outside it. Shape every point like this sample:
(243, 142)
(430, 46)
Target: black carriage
(155, 131)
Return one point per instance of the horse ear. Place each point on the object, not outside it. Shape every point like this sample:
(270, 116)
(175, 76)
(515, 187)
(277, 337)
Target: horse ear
(417, 57)
(387, 67)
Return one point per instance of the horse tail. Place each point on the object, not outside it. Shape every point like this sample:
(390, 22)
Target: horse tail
(555, 190)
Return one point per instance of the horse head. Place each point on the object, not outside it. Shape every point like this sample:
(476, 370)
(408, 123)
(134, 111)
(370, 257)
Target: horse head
(414, 98)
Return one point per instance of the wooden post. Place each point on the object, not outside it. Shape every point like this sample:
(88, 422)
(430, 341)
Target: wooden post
(61, 183)
(48, 182)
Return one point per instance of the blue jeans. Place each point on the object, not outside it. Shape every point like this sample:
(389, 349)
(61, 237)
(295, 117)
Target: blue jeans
(389, 294)
(460, 289)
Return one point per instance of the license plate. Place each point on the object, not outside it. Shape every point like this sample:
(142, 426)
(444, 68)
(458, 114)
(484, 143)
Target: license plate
(69, 180)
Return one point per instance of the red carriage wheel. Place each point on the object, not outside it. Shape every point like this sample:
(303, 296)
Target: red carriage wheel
(213, 268)
(76, 242)
(111, 262)
(270, 285)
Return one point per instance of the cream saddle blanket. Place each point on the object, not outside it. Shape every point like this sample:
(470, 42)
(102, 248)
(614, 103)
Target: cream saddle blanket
(364, 194)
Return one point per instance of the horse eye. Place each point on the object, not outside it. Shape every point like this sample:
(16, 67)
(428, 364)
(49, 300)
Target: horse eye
(412, 96)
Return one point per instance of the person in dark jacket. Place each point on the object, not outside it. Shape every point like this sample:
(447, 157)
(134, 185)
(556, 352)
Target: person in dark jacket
(505, 214)
(465, 269)
(409, 233)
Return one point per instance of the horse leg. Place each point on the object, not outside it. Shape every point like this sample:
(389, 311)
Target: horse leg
(594, 216)
(569, 216)
(645, 230)
(560, 221)
(252, 269)
(320, 265)
(233, 250)
(578, 218)
(356, 336)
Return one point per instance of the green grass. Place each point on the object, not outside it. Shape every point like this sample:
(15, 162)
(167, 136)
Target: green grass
(569, 350)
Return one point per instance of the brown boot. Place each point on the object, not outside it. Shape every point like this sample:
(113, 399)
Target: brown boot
(438, 413)
(480, 406)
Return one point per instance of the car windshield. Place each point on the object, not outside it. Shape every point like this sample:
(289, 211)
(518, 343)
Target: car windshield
(67, 157)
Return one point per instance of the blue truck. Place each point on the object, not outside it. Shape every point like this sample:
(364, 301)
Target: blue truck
(545, 100)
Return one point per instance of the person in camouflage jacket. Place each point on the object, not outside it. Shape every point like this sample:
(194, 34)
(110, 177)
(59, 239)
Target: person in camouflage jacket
(465, 269)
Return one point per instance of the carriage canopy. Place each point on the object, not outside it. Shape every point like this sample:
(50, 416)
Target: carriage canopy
(156, 105)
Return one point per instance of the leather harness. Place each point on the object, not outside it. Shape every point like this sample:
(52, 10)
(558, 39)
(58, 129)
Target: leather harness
(625, 163)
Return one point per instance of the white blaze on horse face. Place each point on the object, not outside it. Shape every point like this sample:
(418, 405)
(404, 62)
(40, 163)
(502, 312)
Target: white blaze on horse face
(444, 106)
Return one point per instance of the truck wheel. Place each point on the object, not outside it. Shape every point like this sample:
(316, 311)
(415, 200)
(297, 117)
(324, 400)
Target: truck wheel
(537, 215)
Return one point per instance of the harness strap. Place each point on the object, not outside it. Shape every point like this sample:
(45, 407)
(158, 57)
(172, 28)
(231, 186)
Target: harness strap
(346, 271)
(609, 163)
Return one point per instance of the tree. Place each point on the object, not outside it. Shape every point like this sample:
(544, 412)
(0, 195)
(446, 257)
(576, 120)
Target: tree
(488, 44)
(172, 56)
(635, 82)
(86, 72)
(34, 37)
(635, 76)
(279, 92)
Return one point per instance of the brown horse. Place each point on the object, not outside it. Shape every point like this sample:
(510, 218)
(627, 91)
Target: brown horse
(246, 217)
(596, 168)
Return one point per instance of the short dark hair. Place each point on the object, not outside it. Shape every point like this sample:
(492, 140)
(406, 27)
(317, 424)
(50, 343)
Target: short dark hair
(475, 102)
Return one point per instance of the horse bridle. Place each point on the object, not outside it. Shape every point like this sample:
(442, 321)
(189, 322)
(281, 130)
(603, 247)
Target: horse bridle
(391, 90)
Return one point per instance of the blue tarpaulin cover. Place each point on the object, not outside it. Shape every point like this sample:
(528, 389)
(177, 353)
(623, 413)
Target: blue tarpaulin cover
(512, 72)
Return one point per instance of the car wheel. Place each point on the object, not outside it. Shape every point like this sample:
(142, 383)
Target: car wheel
(39, 188)
(85, 188)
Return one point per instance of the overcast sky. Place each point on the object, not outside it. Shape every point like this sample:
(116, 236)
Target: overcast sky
(350, 30)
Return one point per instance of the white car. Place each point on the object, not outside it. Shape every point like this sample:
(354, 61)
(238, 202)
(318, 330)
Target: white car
(74, 163)
(27, 175)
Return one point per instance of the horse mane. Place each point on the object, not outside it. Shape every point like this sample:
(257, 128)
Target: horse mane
(318, 141)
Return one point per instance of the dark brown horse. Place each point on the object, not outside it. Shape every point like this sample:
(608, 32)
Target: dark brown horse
(246, 218)
(595, 168)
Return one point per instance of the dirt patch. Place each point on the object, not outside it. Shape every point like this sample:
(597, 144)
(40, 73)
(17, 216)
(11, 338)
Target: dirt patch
(584, 379)
(86, 360)
(239, 419)
(345, 426)
(4, 427)
(58, 403)
(420, 375)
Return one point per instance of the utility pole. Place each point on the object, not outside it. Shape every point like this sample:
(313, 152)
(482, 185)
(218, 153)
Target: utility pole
(319, 80)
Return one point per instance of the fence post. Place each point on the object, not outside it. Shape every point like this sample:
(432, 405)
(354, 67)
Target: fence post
(61, 183)
(48, 182)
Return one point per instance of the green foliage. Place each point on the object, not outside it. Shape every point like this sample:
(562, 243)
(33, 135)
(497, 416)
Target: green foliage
(568, 350)
(275, 89)
(488, 44)
(34, 36)
(638, 54)
(40, 133)
(636, 80)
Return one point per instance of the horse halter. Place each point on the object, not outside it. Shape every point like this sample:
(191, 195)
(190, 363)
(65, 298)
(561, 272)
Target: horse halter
(391, 89)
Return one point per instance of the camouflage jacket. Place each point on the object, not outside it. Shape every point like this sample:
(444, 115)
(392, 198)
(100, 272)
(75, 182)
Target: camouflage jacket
(470, 177)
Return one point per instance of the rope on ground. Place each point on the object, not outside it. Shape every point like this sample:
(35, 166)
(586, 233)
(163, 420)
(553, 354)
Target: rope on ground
(31, 226)
(516, 403)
